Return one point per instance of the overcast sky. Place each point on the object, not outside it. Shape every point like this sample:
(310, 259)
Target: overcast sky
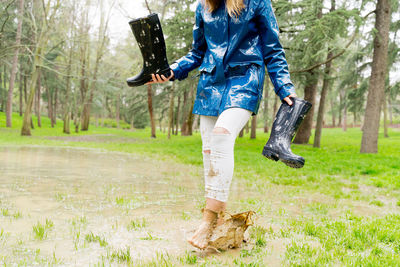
(122, 12)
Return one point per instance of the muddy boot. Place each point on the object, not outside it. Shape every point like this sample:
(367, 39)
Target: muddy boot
(287, 121)
(150, 38)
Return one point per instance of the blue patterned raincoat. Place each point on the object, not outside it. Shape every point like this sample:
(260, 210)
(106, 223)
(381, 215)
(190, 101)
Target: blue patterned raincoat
(232, 54)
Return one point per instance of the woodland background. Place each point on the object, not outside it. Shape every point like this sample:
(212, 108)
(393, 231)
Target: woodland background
(91, 187)
(57, 61)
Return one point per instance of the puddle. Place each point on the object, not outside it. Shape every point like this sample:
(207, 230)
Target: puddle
(98, 138)
(96, 203)
(70, 206)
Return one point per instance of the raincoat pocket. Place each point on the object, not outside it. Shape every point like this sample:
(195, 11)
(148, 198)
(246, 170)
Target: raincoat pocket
(245, 75)
(206, 68)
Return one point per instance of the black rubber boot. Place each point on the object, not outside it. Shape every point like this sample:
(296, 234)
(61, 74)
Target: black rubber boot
(287, 121)
(150, 38)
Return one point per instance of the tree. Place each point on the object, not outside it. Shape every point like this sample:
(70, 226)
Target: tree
(253, 132)
(376, 90)
(101, 45)
(14, 64)
(47, 23)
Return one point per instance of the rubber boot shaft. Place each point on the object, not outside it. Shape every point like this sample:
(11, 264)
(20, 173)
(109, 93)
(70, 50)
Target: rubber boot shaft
(287, 122)
(150, 39)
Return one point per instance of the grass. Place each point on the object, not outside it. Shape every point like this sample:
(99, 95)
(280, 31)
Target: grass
(92, 238)
(350, 240)
(258, 236)
(150, 237)
(40, 231)
(121, 256)
(137, 224)
(189, 258)
(335, 211)
(77, 224)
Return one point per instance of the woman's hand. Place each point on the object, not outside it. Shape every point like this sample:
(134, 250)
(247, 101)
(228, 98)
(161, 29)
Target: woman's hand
(288, 100)
(156, 78)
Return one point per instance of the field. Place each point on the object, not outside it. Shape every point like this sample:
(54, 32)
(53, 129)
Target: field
(111, 196)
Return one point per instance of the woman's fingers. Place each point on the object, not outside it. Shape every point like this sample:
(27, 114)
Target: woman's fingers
(288, 100)
(172, 75)
(164, 79)
(156, 78)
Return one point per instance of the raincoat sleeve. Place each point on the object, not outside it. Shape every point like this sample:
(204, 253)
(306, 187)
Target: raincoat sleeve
(273, 53)
(194, 58)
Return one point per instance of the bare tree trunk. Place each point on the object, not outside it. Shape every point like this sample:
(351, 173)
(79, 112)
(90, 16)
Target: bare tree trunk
(99, 54)
(84, 67)
(49, 106)
(241, 133)
(266, 118)
(184, 112)
(333, 113)
(324, 92)
(21, 84)
(38, 99)
(117, 110)
(385, 115)
(171, 110)
(177, 116)
(25, 89)
(150, 107)
(340, 108)
(253, 133)
(390, 110)
(190, 120)
(344, 125)
(187, 128)
(1, 91)
(37, 62)
(310, 92)
(4, 100)
(14, 65)
(321, 108)
(376, 88)
(26, 98)
(54, 113)
(275, 110)
(76, 124)
(27, 121)
(67, 107)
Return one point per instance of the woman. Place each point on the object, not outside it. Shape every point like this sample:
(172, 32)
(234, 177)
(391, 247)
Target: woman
(233, 41)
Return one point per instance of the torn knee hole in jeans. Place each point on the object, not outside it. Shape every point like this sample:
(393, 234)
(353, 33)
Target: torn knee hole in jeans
(220, 130)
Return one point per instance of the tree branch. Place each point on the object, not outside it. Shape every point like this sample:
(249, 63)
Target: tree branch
(329, 59)
(148, 7)
(370, 13)
(8, 16)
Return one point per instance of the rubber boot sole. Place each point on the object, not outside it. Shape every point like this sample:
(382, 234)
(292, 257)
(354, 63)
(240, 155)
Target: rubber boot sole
(296, 164)
(147, 78)
(272, 155)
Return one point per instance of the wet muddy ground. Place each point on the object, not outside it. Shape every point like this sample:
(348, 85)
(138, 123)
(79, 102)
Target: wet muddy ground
(69, 206)
(89, 204)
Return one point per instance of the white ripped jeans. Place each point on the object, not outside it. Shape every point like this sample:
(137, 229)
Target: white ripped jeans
(219, 164)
